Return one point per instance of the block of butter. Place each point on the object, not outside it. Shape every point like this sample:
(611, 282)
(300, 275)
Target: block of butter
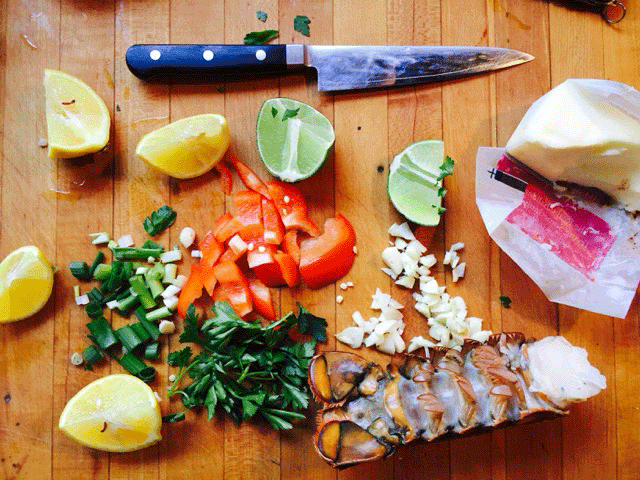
(585, 132)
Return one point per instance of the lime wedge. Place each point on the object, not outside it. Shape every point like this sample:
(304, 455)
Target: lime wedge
(415, 182)
(294, 139)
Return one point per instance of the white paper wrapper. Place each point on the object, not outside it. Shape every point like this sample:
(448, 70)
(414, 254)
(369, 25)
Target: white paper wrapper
(580, 254)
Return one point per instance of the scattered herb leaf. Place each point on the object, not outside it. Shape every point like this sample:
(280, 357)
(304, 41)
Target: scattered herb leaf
(290, 113)
(246, 369)
(505, 301)
(159, 220)
(309, 324)
(173, 418)
(441, 210)
(274, 112)
(446, 168)
(262, 16)
(260, 38)
(442, 192)
(301, 24)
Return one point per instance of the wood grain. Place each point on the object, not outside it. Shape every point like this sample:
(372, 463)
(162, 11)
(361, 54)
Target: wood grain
(114, 191)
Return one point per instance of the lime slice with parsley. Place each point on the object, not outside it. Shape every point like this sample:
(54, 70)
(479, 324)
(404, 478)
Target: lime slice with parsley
(415, 181)
(294, 139)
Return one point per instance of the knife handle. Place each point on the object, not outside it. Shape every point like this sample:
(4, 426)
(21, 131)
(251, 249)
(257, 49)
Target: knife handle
(194, 63)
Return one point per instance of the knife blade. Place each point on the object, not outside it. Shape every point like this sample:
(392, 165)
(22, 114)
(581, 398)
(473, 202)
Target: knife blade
(338, 67)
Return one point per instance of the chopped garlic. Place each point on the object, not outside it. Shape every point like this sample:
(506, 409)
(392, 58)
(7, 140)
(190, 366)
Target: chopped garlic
(415, 249)
(393, 258)
(125, 241)
(82, 300)
(456, 246)
(349, 284)
(166, 327)
(455, 259)
(286, 199)
(343, 286)
(339, 299)
(238, 245)
(428, 260)
(355, 250)
(352, 336)
(187, 237)
(172, 378)
(402, 231)
(196, 254)
(77, 359)
(250, 246)
(447, 258)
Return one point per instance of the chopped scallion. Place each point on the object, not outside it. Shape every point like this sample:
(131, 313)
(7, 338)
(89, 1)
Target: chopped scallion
(130, 253)
(76, 291)
(93, 310)
(171, 256)
(170, 271)
(150, 327)
(159, 314)
(99, 238)
(138, 286)
(91, 356)
(80, 270)
(96, 261)
(128, 303)
(101, 333)
(102, 272)
(152, 351)
(141, 332)
(128, 337)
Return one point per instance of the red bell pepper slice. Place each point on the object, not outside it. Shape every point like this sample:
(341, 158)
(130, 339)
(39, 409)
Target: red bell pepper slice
(209, 280)
(191, 291)
(293, 211)
(273, 226)
(329, 257)
(270, 274)
(249, 214)
(288, 268)
(235, 286)
(226, 227)
(261, 253)
(290, 245)
(249, 178)
(261, 296)
(229, 256)
(211, 250)
(226, 177)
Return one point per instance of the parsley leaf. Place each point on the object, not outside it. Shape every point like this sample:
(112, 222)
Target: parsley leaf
(308, 323)
(159, 220)
(505, 301)
(274, 112)
(180, 358)
(446, 168)
(190, 333)
(260, 38)
(289, 113)
(262, 16)
(441, 210)
(173, 418)
(301, 24)
(442, 192)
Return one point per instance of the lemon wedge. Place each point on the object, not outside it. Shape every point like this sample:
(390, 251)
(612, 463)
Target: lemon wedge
(188, 147)
(116, 413)
(78, 121)
(26, 281)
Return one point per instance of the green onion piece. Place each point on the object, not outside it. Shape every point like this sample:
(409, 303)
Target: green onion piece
(91, 356)
(102, 272)
(114, 280)
(128, 303)
(128, 337)
(101, 333)
(124, 294)
(131, 253)
(153, 276)
(128, 270)
(131, 363)
(150, 327)
(138, 286)
(159, 314)
(94, 310)
(96, 261)
(95, 295)
(76, 291)
(141, 332)
(170, 271)
(80, 270)
(152, 351)
(147, 374)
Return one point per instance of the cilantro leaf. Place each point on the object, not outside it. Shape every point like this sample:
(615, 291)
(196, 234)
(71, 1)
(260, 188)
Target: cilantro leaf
(274, 112)
(173, 418)
(290, 113)
(180, 358)
(505, 301)
(301, 24)
(446, 168)
(190, 333)
(260, 38)
(159, 220)
(308, 323)
(262, 16)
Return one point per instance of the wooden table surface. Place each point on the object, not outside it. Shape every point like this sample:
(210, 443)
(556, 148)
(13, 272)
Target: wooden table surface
(55, 205)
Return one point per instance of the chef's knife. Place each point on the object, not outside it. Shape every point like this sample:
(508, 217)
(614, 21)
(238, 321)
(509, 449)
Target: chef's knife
(338, 67)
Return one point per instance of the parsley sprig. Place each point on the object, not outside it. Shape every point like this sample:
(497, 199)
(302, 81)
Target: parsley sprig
(246, 369)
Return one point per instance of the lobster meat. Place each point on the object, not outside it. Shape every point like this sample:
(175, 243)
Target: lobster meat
(368, 411)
